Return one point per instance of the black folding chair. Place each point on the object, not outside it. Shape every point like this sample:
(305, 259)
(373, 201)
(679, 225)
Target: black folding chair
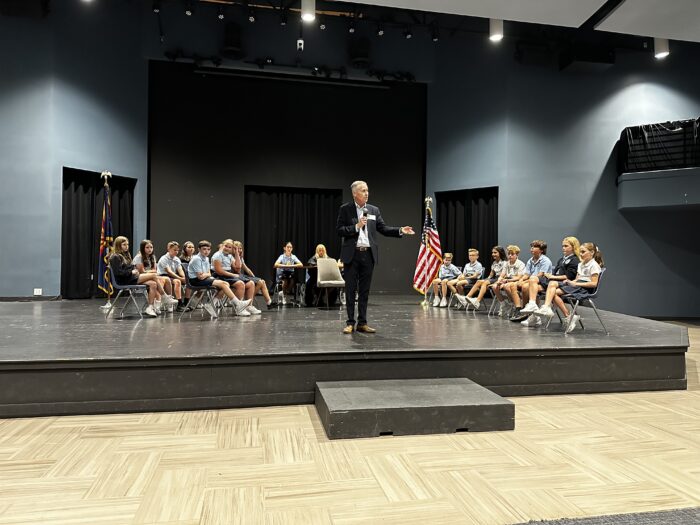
(129, 291)
(577, 299)
(205, 293)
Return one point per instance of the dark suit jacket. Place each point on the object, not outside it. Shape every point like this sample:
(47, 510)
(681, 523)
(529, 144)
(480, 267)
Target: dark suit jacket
(347, 219)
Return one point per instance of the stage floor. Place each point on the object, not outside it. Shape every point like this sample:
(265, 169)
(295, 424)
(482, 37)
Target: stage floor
(64, 358)
(77, 331)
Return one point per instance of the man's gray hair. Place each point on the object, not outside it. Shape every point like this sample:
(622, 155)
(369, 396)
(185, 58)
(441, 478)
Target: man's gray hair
(356, 184)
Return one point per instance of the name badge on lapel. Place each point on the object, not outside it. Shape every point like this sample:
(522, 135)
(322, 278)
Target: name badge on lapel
(371, 217)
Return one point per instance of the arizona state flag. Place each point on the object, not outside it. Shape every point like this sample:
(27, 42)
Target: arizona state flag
(104, 282)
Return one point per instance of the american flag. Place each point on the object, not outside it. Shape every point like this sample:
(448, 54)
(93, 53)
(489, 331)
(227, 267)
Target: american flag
(429, 255)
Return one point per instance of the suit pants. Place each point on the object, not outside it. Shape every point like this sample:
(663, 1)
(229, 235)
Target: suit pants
(358, 277)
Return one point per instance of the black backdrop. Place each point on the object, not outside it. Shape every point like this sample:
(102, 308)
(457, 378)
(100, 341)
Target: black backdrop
(212, 134)
(275, 215)
(468, 219)
(83, 200)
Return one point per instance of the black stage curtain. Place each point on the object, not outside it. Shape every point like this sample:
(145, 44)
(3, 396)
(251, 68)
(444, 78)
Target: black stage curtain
(468, 219)
(83, 199)
(275, 215)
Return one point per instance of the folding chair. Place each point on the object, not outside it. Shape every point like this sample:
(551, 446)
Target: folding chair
(129, 291)
(452, 296)
(205, 293)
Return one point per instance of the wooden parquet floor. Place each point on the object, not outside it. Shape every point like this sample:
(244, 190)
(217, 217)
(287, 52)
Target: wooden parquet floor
(570, 456)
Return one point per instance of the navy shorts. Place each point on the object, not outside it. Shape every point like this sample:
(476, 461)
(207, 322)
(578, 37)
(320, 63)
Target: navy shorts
(202, 282)
(130, 281)
(577, 290)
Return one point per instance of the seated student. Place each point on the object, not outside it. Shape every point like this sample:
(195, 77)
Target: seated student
(243, 288)
(586, 282)
(312, 291)
(170, 267)
(447, 273)
(199, 273)
(536, 266)
(145, 262)
(285, 265)
(512, 273)
(186, 254)
(471, 272)
(242, 269)
(126, 274)
(564, 269)
(498, 255)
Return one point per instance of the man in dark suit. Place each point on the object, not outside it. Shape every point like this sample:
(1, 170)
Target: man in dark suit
(358, 225)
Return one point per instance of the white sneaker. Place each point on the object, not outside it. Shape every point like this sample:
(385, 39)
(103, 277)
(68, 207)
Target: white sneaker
(443, 303)
(210, 310)
(474, 302)
(170, 308)
(150, 312)
(545, 311)
(501, 310)
(241, 306)
(462, 300)
(533, 320)
(572, 323)
(253, 310)
(436, 301)
(243, 313)
(169, 299)
(530, 308)
(284, 300)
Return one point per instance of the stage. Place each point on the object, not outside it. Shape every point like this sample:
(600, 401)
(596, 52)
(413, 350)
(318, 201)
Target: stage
(63, 357)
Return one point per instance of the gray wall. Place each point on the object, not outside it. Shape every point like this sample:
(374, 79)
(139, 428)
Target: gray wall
(546, 139)
(73, 92)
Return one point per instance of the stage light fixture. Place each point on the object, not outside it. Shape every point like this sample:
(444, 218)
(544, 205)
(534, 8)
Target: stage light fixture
(188, 8)
(251, 15)
(380, 30)
(661, 49)
(283, 18)
(435, 34)
(156, 6)
(220, 14)
(408, 34)
(495, 29)
(351, 28)
(308, 10)
(321, 24)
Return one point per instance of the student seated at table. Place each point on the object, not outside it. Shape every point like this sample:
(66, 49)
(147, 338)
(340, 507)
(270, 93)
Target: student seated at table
(312, 291)
(471, 272)
(170, 268)
(240, 267)
(222, 261)
(125, 273)
(199, 273)
(284, 266)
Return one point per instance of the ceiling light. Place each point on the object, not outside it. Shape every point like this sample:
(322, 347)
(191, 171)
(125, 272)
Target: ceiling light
(188, 8)
(351, 29)
(321, 24)
(156, 6)
(435, 34)
(308, 10)
(221, 13)
(408, 34)
(661, 48)
(251, 15)
(283, 17)
(380, 30)
(495, 29)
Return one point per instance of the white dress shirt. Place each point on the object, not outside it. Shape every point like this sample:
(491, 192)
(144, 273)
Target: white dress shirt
(363, 238)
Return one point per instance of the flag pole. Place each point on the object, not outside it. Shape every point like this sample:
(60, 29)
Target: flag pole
(106, 175)
(424, 303)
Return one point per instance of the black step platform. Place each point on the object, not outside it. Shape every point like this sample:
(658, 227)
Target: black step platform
(354, 409)
(63, 357)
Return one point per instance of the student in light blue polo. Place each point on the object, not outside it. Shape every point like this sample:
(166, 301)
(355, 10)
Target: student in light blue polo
(285, 265)
(537, 266)
(242, 287)
(170, 267)
(199, 273)
(446, 273)
(470, 274)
